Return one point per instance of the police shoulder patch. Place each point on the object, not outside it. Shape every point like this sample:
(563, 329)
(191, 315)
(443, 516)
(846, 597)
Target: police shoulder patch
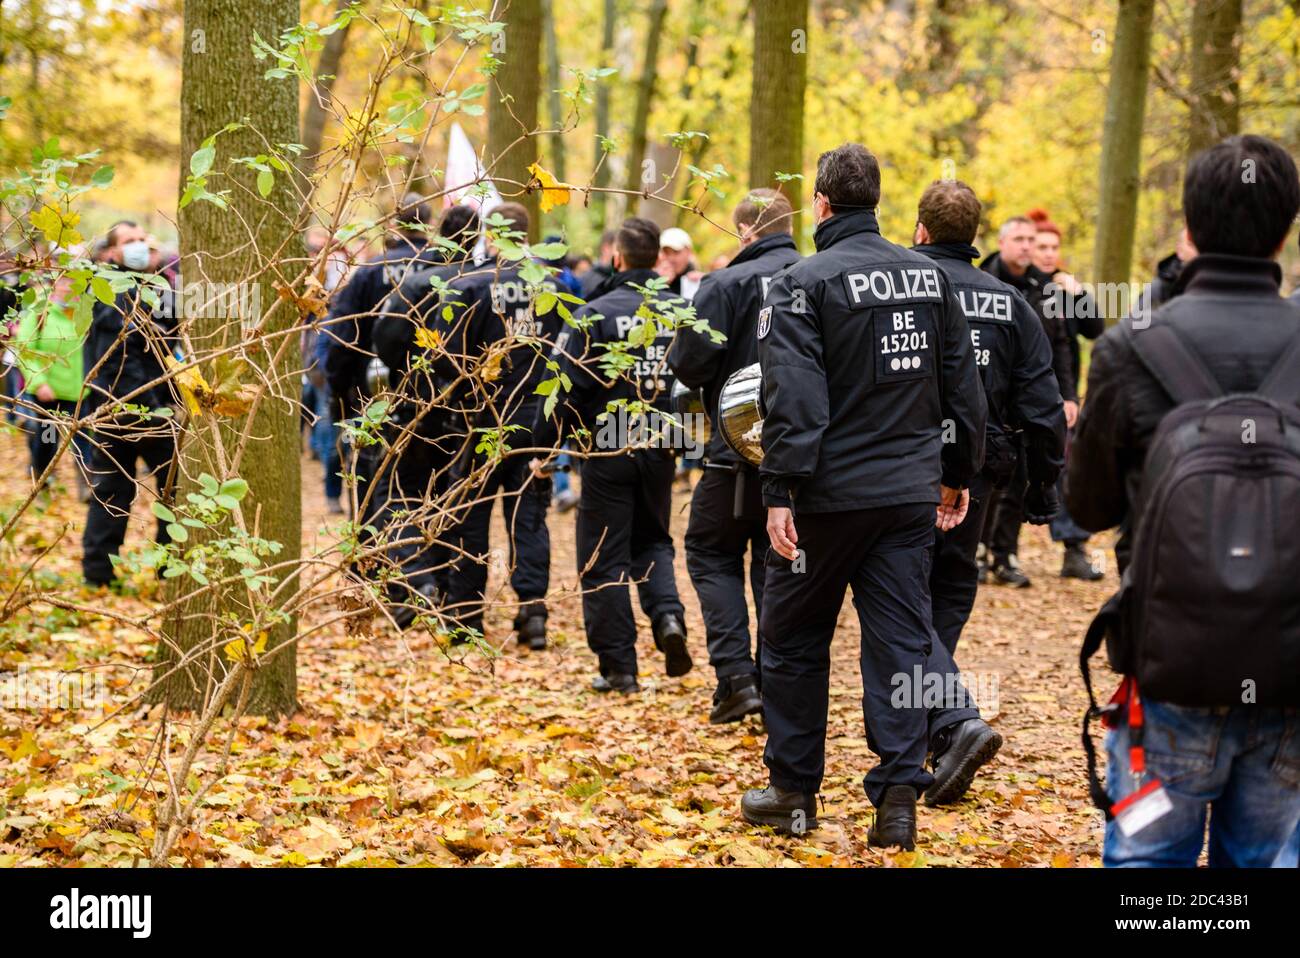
(764, 321)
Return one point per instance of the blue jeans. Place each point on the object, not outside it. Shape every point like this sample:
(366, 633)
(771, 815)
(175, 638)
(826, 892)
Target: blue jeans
(1241, 765)
(324, 442)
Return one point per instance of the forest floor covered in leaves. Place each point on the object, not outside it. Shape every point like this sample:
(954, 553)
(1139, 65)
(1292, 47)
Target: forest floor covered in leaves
(403, 755)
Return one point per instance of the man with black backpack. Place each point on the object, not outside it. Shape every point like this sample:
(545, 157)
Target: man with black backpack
(1191, 437)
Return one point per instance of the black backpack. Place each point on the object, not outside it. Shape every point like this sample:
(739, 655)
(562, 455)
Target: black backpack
(1208, 612)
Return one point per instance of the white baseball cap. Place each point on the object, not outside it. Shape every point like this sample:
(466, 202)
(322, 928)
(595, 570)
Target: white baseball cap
(675, 238)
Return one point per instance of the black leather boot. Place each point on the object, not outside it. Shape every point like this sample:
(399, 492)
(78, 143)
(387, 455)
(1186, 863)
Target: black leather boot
(670, 639)
(959, 752)
(895, 824)
(530, 626)
(1075, 565)
(736, 697)
(791, 813)
(616, 682)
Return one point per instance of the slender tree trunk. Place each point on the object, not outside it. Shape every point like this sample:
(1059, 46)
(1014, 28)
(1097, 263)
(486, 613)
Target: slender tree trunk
(644, 95)
(602, 178)
(1216, 71)
(316, 113)
(223, 83)
(1121, 143)
(776, 100)
(554, 102)
(512, 108)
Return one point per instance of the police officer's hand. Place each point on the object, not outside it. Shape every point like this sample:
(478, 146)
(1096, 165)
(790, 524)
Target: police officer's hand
(953, 504)
(539, 468)
(1041, 503)
(1071, 413)
(780, 529)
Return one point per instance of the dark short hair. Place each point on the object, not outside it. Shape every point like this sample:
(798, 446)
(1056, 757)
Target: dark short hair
(1241, 196)
(110, 237)
(849, 177)
(767, 210)
(515, 215)
(949, 211)
(413, 209)
(638, 242)
(459, 223)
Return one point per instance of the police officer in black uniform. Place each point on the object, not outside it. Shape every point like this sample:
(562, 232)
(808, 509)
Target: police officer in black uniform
(123, 354)
(727, 515)
(1026, 419)
(874, 417)
(489, 311)
(423, 440)
(626, 503)
(345, 340)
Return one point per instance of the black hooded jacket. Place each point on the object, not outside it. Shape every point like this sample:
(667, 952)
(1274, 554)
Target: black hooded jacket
(1229, 310)
(870, 387)
(1014, 359)
(609, 316)
(1033, 285)
(729, 300)
(127, 340)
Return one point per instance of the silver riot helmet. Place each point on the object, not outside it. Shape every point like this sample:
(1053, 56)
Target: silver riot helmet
(688, 407)
(376, 376)
(740, 413)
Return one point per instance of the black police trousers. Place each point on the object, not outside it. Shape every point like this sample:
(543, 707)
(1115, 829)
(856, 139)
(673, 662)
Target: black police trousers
(954, 576)
(884, 556)
(524, 500)
(717, 541)
(1004, 516)
(112, 474)
(414, 478)
(623, 522)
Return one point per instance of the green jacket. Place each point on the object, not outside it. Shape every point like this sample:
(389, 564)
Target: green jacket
(49, 351)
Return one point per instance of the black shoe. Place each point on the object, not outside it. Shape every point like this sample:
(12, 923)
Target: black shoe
(895, 824)
(1007, 571)
(959, 753)
(404, 615)
(616, 682)
(670, 639)
(530, 626)
(791, 813)
(736, 697)
(1077, 566)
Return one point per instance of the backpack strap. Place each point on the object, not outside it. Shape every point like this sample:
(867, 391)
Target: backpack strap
(1173, 363)
(1282, 384)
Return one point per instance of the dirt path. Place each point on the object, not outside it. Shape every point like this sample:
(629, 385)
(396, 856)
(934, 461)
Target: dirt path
(402, 755)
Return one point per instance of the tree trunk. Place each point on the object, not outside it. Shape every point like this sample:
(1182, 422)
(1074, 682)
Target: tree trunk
(1121, 143)
(512, 107)
(1216, 71)
(644, 95)
(316, 113)
(776, 101)
(554, 102)
(602, 179)
(222, 83)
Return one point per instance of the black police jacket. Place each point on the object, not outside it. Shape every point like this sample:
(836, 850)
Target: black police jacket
(870, 387)
(408, 308)
(1229, 310)
(129, 360)
(1034, 285)
(729, 300)
(490, 308)
(610, 316)
(350, 322)
(1014, 360)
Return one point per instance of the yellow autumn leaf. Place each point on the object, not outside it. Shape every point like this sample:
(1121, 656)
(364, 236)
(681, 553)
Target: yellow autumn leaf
(56, 226)
(554, 193)
(191, 383)
(491, 368)
(427, 338)
(237, 649)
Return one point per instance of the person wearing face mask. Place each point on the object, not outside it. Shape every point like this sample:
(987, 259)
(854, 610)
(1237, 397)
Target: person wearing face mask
(123, 360)
(874, 428)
